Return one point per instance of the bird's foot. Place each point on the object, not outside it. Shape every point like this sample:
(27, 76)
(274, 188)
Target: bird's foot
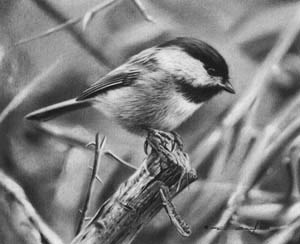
(170, 145)
(177, 139)
(171, 140)
(158, 140)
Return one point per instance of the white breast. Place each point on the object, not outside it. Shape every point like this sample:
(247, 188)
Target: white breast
(179, 110)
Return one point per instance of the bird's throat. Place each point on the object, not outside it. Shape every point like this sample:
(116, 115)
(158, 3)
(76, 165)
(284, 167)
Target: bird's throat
(197, 94)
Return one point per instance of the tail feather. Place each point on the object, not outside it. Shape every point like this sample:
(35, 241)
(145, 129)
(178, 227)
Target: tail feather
(57, 109)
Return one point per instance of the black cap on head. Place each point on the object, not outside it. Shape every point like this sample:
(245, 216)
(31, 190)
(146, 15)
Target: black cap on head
(213, 61)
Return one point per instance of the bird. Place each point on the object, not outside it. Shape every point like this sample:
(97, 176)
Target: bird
(158, 88)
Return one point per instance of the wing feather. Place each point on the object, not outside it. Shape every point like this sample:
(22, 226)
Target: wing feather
(109, 82)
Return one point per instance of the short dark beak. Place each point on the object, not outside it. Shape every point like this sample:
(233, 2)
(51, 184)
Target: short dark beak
(228, 87)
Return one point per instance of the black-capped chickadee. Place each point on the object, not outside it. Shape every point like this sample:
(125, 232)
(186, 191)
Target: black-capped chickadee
(158, 88)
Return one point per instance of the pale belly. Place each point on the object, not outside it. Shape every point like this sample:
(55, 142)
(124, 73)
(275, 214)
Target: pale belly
(179, 110)
(139, 112)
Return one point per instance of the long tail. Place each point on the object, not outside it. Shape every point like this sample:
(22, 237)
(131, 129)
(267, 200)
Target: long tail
(57, 109)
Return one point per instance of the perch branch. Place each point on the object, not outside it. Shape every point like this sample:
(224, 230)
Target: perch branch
(138, 199)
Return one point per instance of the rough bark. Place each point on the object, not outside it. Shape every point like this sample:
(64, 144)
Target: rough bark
(142, 196)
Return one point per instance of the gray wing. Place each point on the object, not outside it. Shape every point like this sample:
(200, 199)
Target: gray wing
(109, 82)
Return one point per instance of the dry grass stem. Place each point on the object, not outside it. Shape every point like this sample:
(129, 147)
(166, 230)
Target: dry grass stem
(98, 154)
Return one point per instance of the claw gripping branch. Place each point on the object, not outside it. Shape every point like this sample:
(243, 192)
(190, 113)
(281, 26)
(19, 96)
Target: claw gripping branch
(140, 198)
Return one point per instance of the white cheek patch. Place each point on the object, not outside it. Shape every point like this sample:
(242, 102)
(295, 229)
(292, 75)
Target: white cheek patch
(176, 61)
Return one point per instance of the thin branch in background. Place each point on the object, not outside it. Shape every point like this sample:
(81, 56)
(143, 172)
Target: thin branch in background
(246, 139)
(143, 11)
(68, 23)
(76, 33)
(205, 148)
(293, 172)
(224, 152)
(257, 229)
(286, 234)
(65, 134)
(257, 165)
(48, 32)
(259, 160)
(98, 179)
(284, 42)
(27, 90)
(87, 17)
(25, 221)
(119, 160)
(267, 211)
(98, 154)
(279, 212)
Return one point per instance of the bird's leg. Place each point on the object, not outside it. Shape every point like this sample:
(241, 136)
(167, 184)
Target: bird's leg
(162, 138)
(177, 139)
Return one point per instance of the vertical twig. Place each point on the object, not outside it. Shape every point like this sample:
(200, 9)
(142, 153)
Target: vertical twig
(98, 153)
